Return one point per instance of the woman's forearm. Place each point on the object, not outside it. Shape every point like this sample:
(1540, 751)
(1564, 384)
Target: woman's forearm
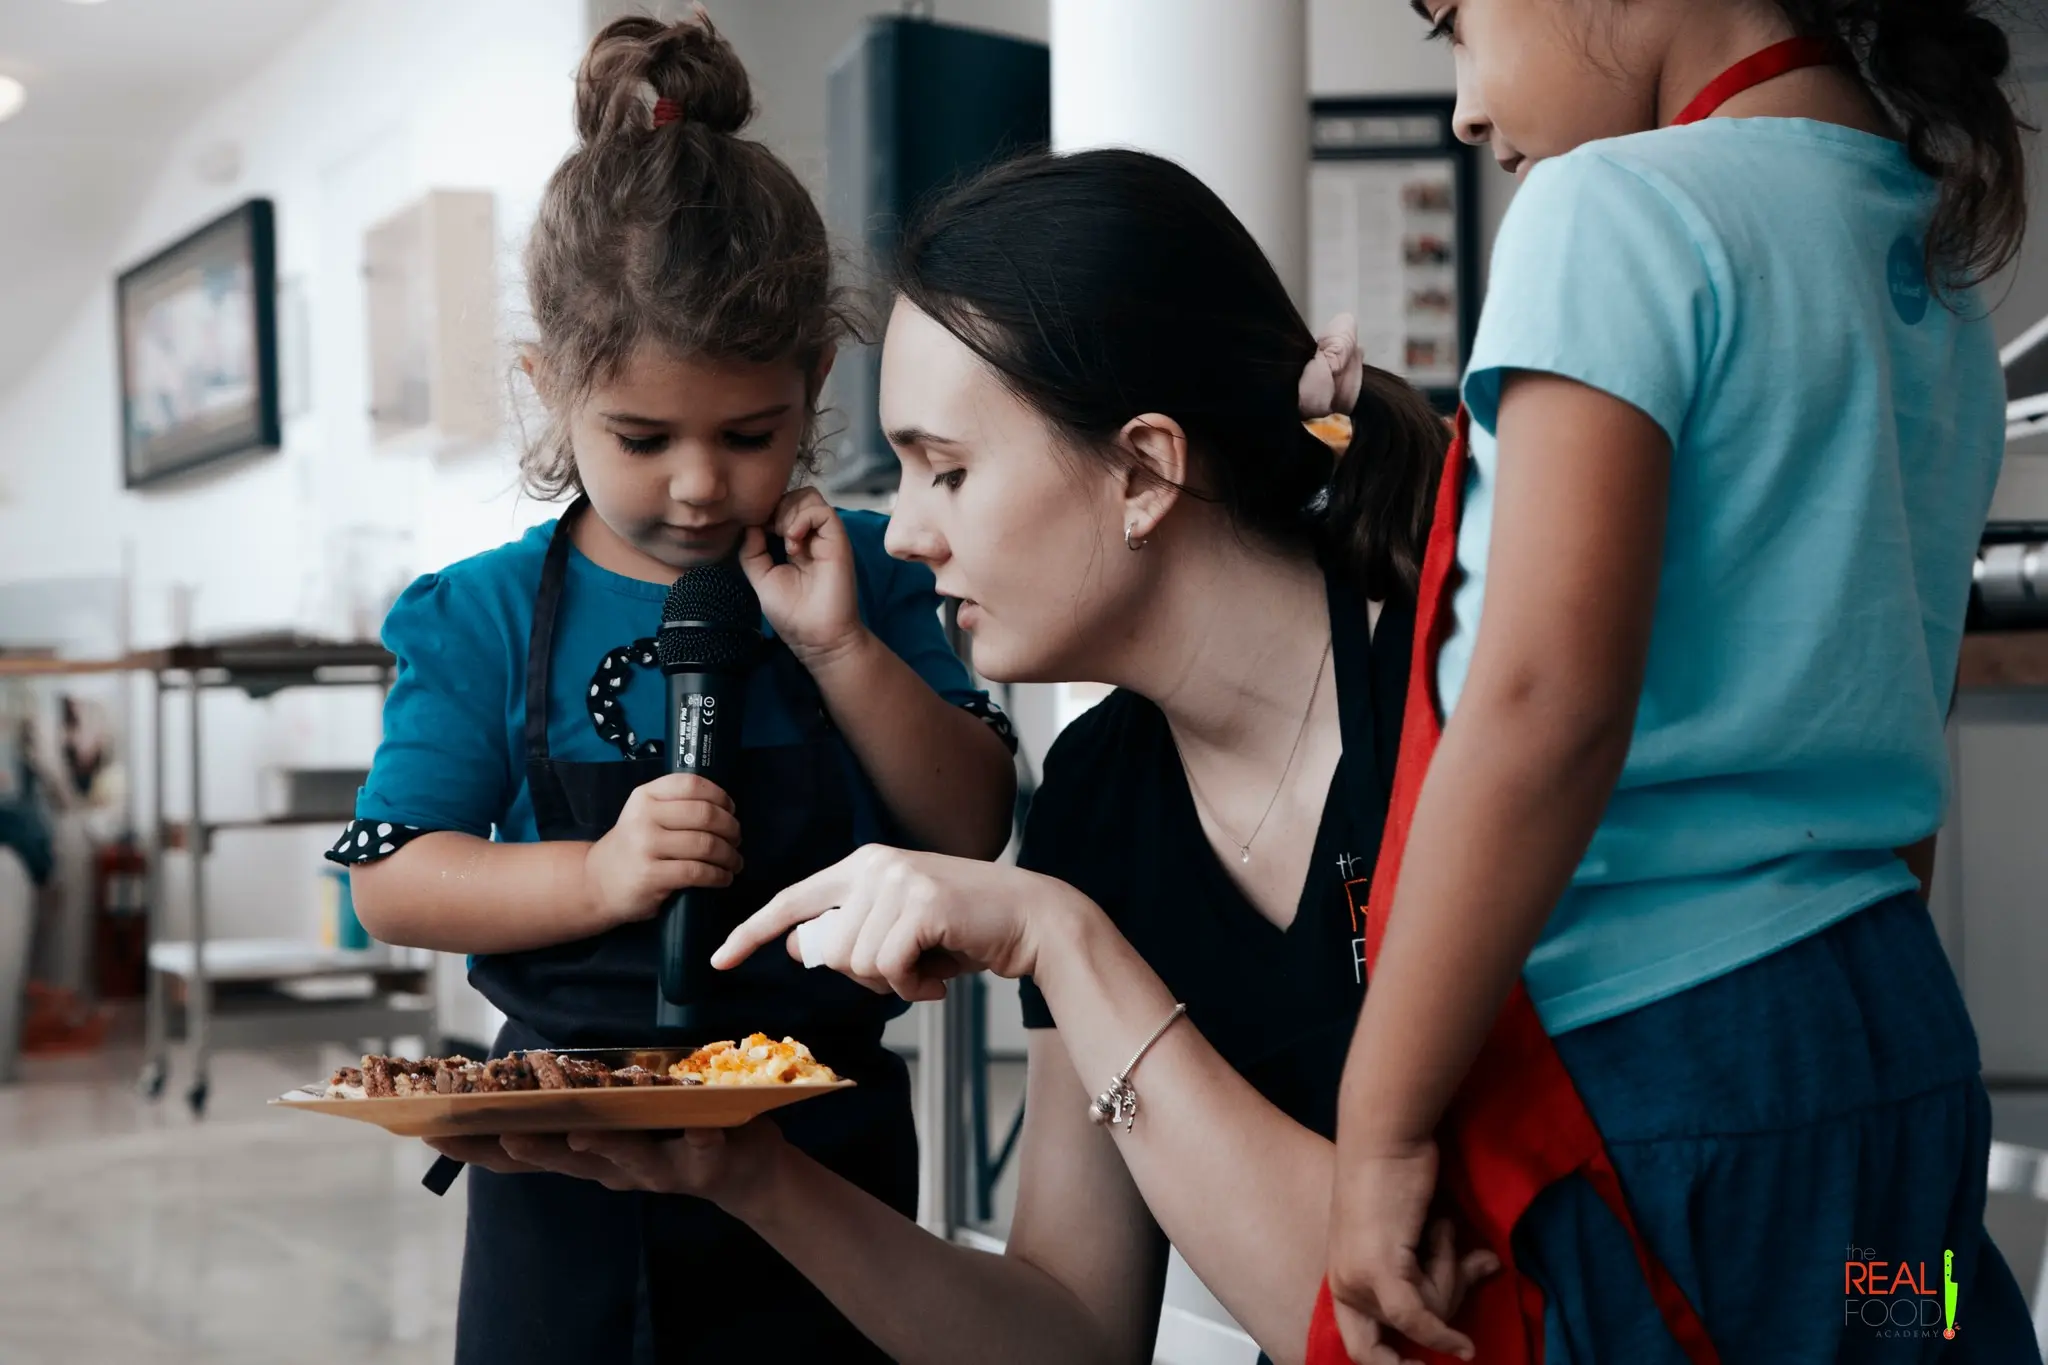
(1240, 1189)
(457, 893)
(919, 1298)
(944, 775)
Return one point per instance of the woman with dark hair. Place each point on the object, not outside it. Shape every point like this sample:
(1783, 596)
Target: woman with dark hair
(1097, 388)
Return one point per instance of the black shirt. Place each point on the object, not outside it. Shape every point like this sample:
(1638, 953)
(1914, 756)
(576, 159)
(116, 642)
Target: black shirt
(1114, 818)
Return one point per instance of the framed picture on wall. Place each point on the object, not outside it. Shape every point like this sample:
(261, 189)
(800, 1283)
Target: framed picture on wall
(1394, 234)
(197, 332)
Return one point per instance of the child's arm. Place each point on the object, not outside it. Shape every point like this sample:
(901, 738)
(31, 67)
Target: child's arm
(1511, 801)
(457, 893)
(944, 774)
(947, 778)
(444, 766)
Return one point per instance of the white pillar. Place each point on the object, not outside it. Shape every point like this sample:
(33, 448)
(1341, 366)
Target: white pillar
(1220, 86)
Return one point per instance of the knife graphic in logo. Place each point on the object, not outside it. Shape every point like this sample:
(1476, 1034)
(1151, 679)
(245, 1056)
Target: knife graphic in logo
(1948, 1293)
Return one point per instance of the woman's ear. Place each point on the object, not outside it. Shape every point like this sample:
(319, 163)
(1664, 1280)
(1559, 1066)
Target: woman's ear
(1158, 471)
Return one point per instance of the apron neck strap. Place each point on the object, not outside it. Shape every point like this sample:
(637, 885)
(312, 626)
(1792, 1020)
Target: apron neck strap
(1793, 54)
(540, 644)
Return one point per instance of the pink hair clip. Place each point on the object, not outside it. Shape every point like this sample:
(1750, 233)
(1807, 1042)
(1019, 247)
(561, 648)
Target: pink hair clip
(666, 111)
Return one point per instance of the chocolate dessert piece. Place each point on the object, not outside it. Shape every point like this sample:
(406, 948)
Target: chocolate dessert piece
(583, 1074)
(346, 1084)
(377, 1078)
(457, 1076)
(547, 1071)
(639, 1075)
(410, 1078)
(507, 1073)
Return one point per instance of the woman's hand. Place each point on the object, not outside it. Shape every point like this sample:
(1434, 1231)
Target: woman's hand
(910, 922)
(1378, 1280)
(674, 832)
(812, 600)
(719, 1164)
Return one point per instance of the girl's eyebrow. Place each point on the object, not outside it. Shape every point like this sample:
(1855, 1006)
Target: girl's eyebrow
(634, 420)
(763, 415)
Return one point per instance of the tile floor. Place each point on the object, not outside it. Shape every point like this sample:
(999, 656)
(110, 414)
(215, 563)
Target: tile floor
(131, 1234)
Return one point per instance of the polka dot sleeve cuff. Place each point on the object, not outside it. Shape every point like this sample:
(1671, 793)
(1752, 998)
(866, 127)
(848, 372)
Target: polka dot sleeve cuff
(992, 716)
(365, 841)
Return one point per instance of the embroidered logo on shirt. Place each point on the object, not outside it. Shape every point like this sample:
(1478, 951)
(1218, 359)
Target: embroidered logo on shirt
(1906, 276)
(1355, 898)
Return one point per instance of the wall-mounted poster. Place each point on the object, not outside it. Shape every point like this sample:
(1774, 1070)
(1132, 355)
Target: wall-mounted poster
(198, 340)
(1393, 235)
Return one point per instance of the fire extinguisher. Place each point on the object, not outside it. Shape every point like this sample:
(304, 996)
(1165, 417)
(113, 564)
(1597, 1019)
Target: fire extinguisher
(121, 921)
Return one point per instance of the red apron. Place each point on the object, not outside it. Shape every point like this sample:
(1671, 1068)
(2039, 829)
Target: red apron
(1517, 1124)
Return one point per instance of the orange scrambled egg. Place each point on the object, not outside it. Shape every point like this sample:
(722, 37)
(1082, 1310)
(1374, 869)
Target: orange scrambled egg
(754, 1061)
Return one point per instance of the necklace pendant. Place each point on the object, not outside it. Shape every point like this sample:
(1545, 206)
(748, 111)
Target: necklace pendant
(1244, 853)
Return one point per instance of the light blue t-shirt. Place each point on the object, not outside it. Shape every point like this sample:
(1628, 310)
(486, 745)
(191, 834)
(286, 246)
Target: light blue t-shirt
(1755, 287)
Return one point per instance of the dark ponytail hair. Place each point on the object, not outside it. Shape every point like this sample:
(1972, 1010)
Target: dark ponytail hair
(1937, 67)
(664, 225)
(1104, 284)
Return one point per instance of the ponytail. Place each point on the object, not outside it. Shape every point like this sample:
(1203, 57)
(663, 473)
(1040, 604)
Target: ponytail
(1937, 67)
(1384, 489)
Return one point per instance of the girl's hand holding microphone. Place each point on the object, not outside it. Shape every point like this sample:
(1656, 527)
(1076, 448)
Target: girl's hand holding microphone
(677, 831)
(908, 923)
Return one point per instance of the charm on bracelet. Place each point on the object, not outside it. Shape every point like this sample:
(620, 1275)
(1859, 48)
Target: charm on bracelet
(1119, 1103)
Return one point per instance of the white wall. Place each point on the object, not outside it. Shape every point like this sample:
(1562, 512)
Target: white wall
(379, 102)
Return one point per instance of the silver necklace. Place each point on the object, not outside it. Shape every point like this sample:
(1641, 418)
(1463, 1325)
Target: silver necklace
(1244, 848)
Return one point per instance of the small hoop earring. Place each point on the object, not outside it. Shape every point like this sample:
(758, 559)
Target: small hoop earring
(1130, 544)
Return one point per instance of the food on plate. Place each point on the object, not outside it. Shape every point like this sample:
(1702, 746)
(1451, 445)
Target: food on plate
(756, 1061)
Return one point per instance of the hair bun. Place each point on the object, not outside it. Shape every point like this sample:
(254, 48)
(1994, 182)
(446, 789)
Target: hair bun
(688, 62)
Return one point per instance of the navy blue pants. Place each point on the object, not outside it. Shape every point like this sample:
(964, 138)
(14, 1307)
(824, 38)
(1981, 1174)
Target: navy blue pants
(1779, 1131)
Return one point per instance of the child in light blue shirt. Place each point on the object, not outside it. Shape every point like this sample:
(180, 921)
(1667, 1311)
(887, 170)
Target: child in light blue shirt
(1756, 287)
(1735, 419)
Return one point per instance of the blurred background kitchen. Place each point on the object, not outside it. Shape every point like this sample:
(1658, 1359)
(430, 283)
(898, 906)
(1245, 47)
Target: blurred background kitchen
(259, 294)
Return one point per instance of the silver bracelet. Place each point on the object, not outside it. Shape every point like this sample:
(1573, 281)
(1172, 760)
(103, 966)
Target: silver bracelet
(1119, 1103)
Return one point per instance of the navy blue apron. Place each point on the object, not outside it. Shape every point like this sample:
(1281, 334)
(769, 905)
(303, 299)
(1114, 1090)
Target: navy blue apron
(558, 1269)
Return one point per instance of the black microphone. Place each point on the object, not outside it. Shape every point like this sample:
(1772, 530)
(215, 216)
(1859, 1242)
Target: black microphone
(710, 635)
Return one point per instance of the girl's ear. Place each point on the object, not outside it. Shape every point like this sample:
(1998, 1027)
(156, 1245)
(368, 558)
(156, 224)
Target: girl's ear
(533, 362)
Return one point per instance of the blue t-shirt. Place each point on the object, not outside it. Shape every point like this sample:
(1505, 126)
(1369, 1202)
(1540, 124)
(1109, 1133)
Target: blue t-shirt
(454, 751)
(1755, 287)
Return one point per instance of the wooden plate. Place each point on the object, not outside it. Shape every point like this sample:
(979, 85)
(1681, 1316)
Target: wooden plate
(559, 1111)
